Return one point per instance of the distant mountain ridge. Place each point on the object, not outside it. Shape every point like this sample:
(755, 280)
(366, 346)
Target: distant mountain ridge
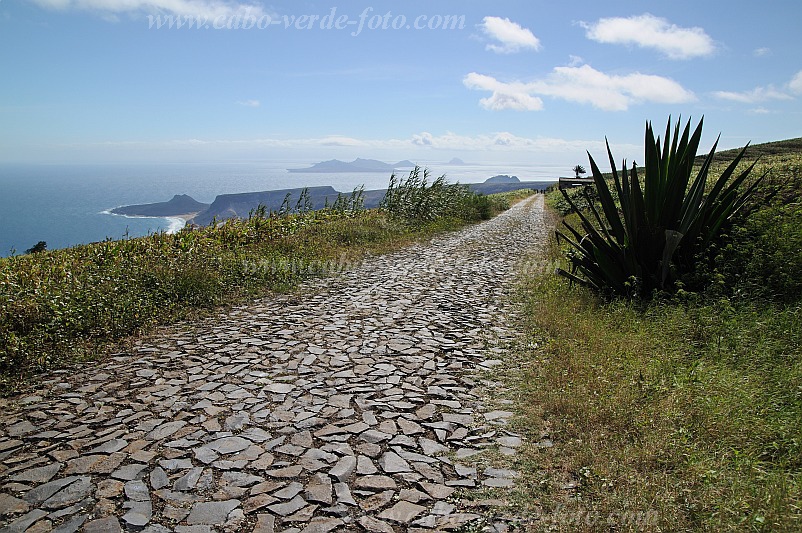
(357, 165)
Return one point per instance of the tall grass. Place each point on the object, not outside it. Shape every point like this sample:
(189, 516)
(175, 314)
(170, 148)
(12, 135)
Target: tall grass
(687, 410)
(415, 199)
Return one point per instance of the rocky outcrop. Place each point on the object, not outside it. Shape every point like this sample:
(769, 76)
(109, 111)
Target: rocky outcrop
(180, 204)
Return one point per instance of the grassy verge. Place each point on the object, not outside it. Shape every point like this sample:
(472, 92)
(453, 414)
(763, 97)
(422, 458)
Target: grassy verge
(680, 415)
(77, 303)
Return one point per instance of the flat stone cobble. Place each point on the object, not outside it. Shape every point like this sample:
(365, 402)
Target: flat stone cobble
(355, 404)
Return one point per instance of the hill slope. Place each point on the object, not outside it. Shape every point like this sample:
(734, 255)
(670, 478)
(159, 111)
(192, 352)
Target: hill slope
(786, 147)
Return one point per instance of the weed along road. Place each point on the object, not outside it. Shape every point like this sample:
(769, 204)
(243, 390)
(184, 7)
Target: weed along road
(358, 403)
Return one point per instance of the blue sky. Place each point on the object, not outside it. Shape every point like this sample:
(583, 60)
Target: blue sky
(525, 82)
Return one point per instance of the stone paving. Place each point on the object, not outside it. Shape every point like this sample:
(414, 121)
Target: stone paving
(354, 405)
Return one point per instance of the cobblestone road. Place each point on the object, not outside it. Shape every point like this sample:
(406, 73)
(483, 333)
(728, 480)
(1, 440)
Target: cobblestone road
(354, 405)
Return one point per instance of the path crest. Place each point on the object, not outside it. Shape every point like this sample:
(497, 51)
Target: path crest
(355, 405)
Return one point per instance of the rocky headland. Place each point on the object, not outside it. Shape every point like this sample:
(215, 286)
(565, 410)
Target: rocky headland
(180, 204)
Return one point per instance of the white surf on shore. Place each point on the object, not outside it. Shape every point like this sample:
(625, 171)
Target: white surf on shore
(172, 224)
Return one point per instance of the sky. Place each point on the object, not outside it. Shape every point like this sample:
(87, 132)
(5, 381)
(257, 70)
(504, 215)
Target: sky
(525, 82)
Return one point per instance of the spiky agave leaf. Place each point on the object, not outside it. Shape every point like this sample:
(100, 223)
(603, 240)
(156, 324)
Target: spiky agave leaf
(659, 227)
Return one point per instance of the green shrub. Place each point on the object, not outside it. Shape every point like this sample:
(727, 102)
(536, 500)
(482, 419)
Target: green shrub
(660, 228)
(414, 200)
(579, 198)
(764, 258)
(476, 207)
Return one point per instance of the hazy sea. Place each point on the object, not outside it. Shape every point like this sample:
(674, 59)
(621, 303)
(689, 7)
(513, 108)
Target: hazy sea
(66, 205)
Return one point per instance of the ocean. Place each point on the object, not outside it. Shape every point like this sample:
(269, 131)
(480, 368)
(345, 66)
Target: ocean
(67, 205)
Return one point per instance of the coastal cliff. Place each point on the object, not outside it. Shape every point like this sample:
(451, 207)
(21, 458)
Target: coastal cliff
(240, 204)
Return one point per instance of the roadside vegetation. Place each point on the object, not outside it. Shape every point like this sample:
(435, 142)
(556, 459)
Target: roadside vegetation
(675, 408)
(417, 200)
(60, 306)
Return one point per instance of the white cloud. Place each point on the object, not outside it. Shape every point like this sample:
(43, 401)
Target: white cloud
(501, 149)
(511, 35)
(211, 9)
(339, 140)
(449, 141)
(764, 94)
(492, 141)
(758, 94)
(760, 52)
(506, 142)
(250, 103)
(575, 61)
(514, 95)
(582, 84)
(795, 85)
(648, 31)
(423, 139)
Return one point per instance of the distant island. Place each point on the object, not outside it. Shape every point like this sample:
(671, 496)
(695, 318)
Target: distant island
(239, 205)
(456, 161)
(357, 165)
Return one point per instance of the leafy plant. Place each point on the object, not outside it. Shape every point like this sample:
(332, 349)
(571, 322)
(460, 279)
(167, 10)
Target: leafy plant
(39, 247)
(348, 205)
(764, 256)
(662, 225)
(579, 169)
(415, 200)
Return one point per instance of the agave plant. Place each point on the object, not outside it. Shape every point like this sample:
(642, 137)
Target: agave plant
(662, 223)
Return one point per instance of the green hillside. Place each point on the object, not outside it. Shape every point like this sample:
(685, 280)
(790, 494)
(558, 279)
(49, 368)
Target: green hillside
(773, 149)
